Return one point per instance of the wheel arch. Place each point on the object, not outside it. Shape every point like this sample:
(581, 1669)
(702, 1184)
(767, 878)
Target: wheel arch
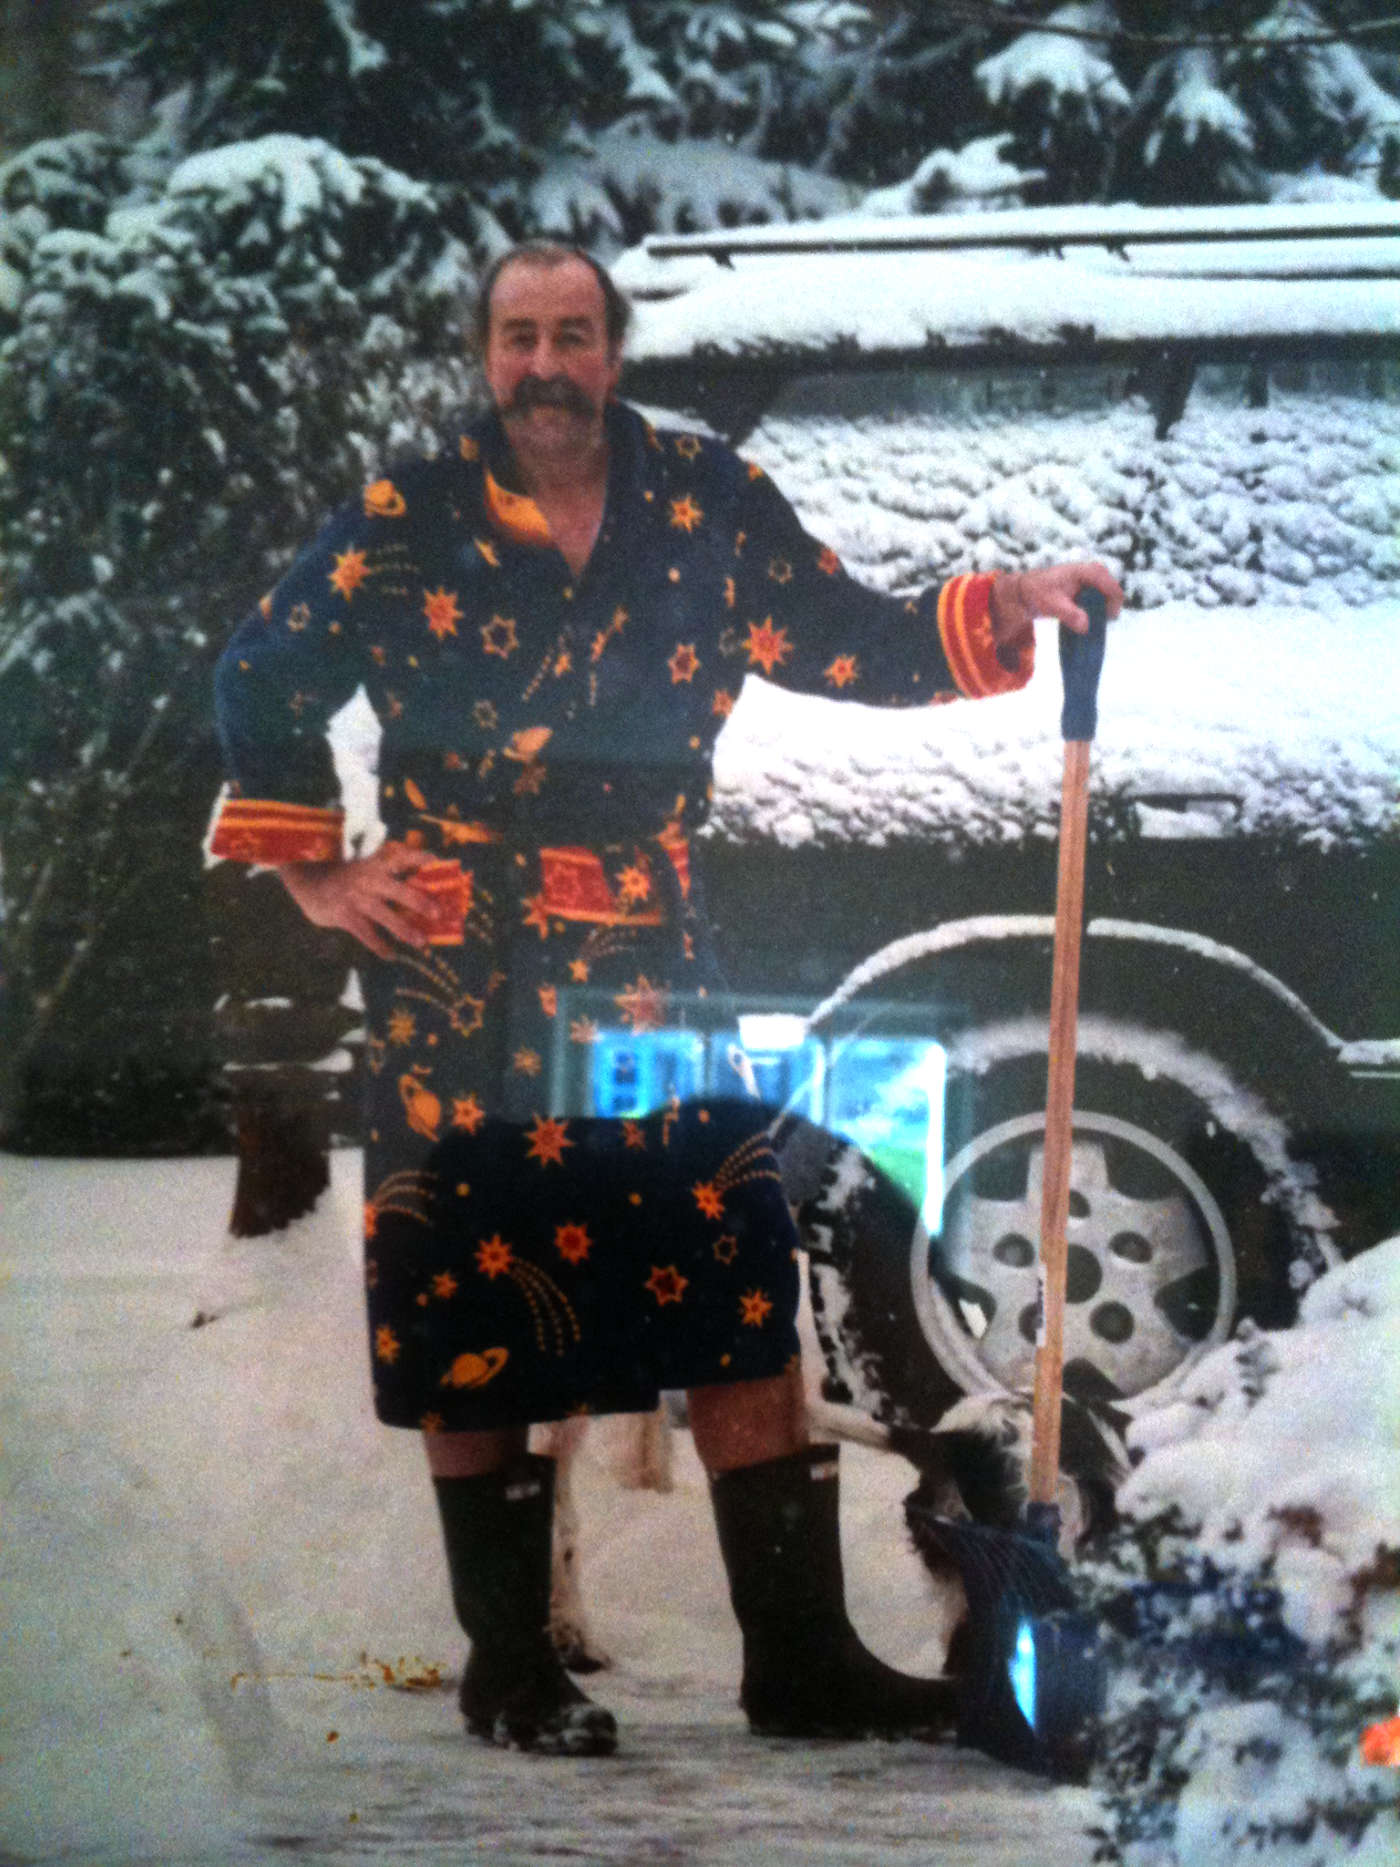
(1168, 977)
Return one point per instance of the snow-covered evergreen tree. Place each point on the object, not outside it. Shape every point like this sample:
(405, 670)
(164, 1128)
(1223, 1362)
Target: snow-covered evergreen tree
(183, 393)
(1152, 100)
(475, 96)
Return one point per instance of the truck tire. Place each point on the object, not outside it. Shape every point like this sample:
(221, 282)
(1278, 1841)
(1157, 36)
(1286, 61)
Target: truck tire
(1187, 1215)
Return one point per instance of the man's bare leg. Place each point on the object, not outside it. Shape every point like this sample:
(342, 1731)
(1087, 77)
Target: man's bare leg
(470, 1455)
(748, 1422)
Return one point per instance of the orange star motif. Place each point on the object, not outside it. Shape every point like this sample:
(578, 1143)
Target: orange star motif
(526, 1062)
(444, 1285)
(767, 647)
(349, 573)
(572, 1242)
(708, 1198)
(549, 1000)
(583, 1031)
(494, 1257)
(666, 1284)
(634, 883)
(498, 637)
(687, 446)
(727, 1248)
(683, 663)
(842, 671)
(780, 570)
(548, 1139)
(828, 561)
(467, 1113)
(578, 971)
(723, 704)
(755, 471)
(537, 915)
(730, 593)
(440, 607)
(754, 1308)
(685, 514)
(633, 1134)
(642, 1004)
(386, 1345)
(485, 715)
(401, 1027)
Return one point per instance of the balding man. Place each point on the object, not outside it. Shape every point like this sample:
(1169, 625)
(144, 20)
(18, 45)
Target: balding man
(552, 622)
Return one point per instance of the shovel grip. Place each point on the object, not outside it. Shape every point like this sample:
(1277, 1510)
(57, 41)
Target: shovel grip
(1081, 659)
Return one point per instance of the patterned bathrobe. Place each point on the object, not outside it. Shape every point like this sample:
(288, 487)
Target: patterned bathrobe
(547, 738)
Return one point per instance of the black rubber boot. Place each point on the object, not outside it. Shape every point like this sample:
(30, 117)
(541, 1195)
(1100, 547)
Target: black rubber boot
(515, 1691)
(806, 1672)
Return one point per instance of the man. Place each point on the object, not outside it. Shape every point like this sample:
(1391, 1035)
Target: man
(552, 624)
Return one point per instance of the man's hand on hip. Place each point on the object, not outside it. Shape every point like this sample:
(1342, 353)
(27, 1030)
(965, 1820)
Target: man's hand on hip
(369, 897)
(1018, 597)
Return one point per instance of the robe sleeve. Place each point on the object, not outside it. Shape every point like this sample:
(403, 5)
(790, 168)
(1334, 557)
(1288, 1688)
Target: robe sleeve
(288, 668)
(806, 624)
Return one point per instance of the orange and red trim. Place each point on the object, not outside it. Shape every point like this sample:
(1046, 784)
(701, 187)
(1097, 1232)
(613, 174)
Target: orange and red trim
(251, 829)
(574, 885)
(965, 626)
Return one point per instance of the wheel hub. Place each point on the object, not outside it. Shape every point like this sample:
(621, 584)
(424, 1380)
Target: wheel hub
(1137, 1266)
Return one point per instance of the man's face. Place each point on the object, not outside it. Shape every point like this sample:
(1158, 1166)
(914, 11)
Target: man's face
(548, 363)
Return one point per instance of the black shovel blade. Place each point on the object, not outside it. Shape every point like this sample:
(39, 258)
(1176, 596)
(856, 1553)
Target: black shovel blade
(1033, 1689)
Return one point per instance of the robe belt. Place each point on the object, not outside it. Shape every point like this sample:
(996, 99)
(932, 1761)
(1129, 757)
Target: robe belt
(574, 886)
(574, 883)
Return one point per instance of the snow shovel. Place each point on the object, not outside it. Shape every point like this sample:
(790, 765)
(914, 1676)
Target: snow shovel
(1033, 1686)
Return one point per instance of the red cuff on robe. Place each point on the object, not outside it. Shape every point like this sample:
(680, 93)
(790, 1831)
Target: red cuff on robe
(965, 624)
(252, 829)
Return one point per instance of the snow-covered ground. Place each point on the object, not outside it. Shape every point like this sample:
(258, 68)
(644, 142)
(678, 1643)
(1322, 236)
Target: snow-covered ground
(215, 1566)
(227, 1635)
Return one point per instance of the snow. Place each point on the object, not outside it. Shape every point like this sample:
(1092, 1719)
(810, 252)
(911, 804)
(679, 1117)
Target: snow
(1235, 703)
(300, 172)
(217, 1568)
(878, 303)
(1064, 67)
(1283, 1449)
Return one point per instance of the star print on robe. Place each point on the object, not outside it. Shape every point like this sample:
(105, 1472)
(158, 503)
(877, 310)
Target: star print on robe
(471, 639)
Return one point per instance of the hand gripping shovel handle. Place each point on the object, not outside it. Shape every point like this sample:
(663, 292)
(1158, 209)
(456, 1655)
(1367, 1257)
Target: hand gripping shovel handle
(1081, 658)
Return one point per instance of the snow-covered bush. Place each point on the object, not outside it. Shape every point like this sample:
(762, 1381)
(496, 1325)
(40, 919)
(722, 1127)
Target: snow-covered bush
(1254, 1587)
(183, 392)
(63, 182)
(630, 184)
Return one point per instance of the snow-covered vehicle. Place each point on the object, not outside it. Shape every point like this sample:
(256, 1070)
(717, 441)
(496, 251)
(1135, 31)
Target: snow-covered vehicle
(1220, 423)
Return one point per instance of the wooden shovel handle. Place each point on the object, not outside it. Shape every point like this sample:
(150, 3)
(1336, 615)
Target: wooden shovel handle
(1081, 660)
(1059, 1111)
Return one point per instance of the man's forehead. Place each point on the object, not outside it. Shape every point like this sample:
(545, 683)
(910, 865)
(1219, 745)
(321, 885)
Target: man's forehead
(531, 291)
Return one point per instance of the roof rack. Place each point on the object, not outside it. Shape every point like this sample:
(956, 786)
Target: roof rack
(1039, 230)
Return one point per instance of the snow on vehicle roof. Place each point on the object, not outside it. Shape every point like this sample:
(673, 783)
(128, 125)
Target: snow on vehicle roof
(867, 285)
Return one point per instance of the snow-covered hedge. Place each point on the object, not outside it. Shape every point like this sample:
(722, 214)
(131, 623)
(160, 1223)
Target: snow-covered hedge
(1260, 1632)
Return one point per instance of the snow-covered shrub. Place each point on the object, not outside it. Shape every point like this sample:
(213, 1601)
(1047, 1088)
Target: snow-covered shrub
(184, 392)
(1254, 1590)
(631, 184)
(64, 181)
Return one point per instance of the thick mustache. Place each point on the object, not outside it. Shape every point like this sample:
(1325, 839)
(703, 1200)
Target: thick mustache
(549, 392)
